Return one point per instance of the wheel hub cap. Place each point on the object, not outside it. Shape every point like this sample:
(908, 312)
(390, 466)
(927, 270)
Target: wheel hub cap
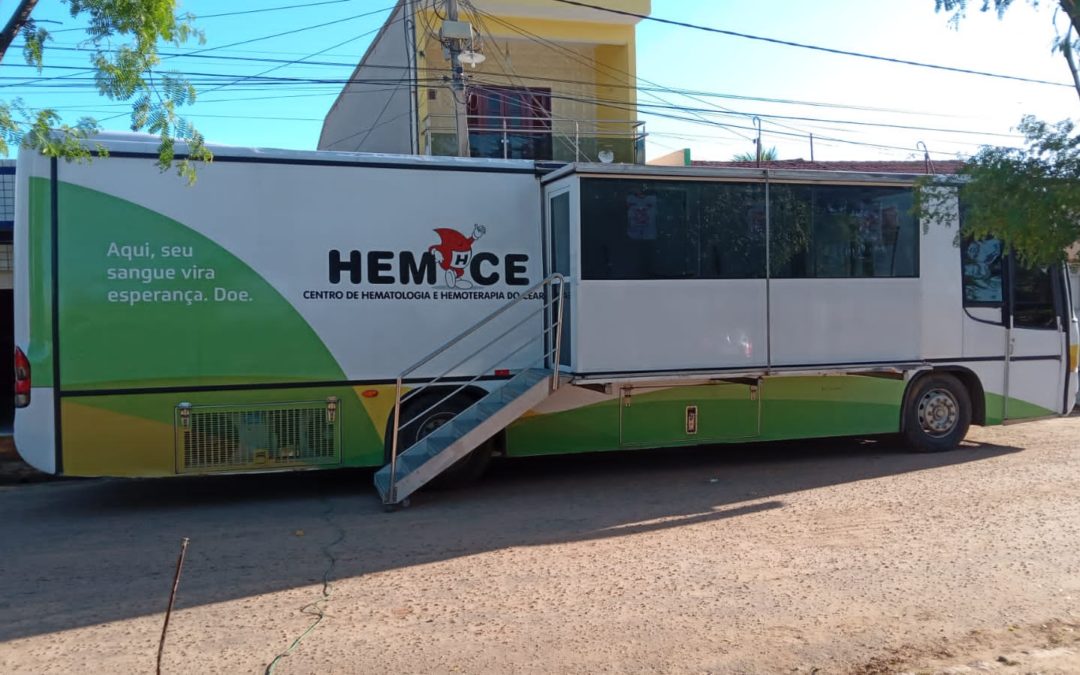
(938, 412)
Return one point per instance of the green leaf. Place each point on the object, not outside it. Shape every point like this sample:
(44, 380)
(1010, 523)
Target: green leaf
(125, 35)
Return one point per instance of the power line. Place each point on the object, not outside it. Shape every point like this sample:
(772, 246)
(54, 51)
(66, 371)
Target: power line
(589, 63)
(646, 88)
(312, 55)
(262, 10)
(828, 50)
(294, 31)
(307, 5)
(710, 123)
(575, 149)
(215, 116)
(641, 107)
(798, 132)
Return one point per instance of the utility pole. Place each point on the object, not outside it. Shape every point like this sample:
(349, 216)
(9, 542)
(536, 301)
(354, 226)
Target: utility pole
(757, 141)
(453, 32)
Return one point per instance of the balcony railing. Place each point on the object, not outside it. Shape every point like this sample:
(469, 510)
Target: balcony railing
(551, 138)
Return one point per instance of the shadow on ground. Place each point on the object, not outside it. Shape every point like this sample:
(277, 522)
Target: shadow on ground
(78, 553)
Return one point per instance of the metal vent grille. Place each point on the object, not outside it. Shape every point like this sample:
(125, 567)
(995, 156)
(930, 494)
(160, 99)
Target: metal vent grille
(255, 437)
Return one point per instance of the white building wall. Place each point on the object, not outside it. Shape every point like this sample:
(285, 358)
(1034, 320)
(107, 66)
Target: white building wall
(375, 114)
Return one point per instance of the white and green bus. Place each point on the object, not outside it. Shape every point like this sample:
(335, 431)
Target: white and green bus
(313, 310)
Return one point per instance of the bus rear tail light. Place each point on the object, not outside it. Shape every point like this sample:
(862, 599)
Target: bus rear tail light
(22, 379)
(1074, 351)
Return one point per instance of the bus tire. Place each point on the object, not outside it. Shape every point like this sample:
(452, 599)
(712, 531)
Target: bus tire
(937, 413)
(466, 470)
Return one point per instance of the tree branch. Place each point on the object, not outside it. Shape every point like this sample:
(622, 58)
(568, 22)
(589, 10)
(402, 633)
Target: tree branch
(1067, 51)
(14, 25)
(1072, 11)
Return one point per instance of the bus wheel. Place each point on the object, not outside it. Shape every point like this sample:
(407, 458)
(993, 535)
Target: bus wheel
(937, 413)
(466, 470)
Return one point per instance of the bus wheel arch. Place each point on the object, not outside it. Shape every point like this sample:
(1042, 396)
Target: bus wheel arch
(975, 390)
(938, 408)
(469, 468)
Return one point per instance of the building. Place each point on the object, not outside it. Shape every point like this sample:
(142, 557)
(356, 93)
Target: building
(7, 318)
(546, 80)
(946, 166)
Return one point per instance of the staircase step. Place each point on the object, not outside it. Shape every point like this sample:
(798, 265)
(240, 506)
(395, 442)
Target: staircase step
(437, 445)
(406, 464)
(414, 458)
(467, 423)
(488, 406)
(382, 482)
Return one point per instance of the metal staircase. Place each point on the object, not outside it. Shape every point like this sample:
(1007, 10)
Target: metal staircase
(526, 386)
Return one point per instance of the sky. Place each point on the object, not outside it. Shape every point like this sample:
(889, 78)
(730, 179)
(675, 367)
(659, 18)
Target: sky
(841, 100)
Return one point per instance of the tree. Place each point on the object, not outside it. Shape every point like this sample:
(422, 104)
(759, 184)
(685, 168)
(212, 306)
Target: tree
(123, 73)
(1067, 43)
(1028, 197)
(767, 155)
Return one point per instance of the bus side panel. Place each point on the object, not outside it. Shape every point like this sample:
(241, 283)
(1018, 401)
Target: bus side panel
(581, 420)
(572, 420)
(139, 435)
(34, 424)
(264, 277)
(834, 405)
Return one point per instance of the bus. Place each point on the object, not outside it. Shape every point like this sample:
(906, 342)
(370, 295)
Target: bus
(313, 310)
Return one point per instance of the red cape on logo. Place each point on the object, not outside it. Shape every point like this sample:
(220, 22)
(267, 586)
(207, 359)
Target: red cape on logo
(455, 251)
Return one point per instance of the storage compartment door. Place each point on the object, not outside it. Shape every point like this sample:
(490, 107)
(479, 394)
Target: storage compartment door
(663, 416)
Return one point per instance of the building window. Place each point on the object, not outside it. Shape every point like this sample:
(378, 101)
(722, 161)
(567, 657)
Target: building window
(7, 200)
(842, 232)
(510, 122)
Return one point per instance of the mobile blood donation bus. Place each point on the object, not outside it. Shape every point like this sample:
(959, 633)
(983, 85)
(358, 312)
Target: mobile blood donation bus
(311, 310)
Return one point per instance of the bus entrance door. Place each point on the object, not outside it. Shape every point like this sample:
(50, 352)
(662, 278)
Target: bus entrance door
(1038, 350)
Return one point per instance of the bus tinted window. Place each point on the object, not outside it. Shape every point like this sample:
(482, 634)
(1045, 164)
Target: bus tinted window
(560, 233)
(1033, 297)
(842, 232)
(982, 264)
(732, 218)
(659, 229)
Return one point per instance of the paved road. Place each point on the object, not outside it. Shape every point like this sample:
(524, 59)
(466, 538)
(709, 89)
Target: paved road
(847, 556)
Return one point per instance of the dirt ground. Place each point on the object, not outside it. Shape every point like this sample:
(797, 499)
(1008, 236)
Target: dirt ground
(819, 557)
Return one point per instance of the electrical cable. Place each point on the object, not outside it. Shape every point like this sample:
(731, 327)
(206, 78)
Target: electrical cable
(264, 10)
(368, 130)
(201, 17)
(583, 60)
(575, 150)
(259, 39)
(800, 45)
(316, 609)
(672, 90)
(313, 54)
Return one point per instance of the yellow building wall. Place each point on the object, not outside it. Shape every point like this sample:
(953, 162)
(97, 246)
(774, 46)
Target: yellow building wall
(592, 61)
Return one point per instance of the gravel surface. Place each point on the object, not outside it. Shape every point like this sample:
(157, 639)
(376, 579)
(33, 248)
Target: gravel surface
(826, 556)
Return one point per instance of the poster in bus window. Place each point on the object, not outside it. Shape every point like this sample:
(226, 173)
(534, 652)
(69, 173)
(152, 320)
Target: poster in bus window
(641, 216)
(982, 271)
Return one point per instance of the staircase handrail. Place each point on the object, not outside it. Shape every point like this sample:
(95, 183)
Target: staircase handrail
(547, 282)
(481, 323)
